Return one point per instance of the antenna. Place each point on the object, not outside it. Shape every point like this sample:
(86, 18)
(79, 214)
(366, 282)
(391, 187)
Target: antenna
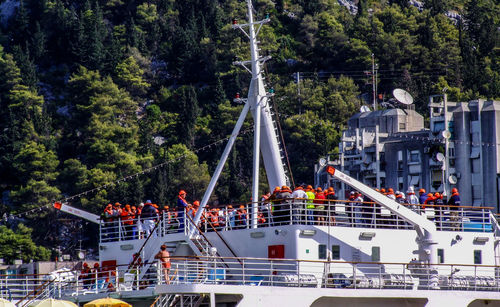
(402, 96)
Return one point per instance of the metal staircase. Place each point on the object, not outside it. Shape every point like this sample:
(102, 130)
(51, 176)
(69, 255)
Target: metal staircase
(175, 300)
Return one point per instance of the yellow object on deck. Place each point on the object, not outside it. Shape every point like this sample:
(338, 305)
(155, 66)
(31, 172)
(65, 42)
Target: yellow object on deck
(6, 303)
(107, 302)
(50, 302)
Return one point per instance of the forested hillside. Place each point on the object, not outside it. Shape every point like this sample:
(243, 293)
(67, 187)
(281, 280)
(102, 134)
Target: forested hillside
(118, 100)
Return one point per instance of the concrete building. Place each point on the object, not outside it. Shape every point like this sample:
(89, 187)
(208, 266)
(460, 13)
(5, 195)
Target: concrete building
(392, 148)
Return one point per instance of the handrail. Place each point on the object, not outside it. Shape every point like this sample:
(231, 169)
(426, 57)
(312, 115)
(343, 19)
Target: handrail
(131, 265)
(222, 239)
(35, 292)
(206, 239)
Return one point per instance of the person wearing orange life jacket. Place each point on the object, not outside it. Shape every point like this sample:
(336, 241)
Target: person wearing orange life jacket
(282, 212)
(127, 218)
(275, 201)
(214, 218)
(331, 201)
(454, 204)
(85, 275)
(261, 220)
(107, 217)
(241, 217)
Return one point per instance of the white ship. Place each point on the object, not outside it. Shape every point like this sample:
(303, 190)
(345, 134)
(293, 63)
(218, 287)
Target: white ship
(379, 254)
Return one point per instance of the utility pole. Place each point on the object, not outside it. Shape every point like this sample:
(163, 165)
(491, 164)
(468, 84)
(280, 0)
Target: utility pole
(373, 84)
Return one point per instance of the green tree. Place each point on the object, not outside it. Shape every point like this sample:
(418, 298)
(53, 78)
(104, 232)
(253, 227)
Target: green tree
(18, 245)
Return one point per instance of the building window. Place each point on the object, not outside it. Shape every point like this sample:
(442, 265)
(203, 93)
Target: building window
(402, 126)
(322, 251)
(414, 156)
(375, 253)
(440, 255)
(477, 257)
(335, 252)
(436, 177)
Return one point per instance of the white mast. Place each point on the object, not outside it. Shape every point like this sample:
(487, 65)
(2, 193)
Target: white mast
(265, 136)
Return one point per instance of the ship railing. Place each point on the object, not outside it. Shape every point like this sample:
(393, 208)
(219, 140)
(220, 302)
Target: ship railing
(260, 272)
(346, 214)
(342, 213)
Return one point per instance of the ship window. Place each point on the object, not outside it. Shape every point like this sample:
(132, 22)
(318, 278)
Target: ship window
(440, 255)
(477, 257)
(335, 252)
(375, 253)
(322, 251)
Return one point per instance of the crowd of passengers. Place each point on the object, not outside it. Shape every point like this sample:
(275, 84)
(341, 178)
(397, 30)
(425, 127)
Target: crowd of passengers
(304, 205)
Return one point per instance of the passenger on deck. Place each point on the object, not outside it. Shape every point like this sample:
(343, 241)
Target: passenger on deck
(282, 211)
(231, 217)
(320, 206)
(412, 199)
(164, 256)
(358, 206)
(350, 207)
(140, 229)
(127, 218)
(265, 207)
(275, 201)
(331, 202)
(299, 196)
(241, 217)
(182, 204)
(310, 205)
(85, 276)
(422, 196)
(149, 216)
(454, 204)
(439, 209)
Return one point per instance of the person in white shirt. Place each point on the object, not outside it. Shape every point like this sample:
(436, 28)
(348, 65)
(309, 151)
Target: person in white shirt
(299, 199)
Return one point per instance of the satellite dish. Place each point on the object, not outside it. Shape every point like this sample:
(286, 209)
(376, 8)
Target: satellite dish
(402, 96)
(364, 109)
(452, 179)
(322, 161)
(440, 157)
(446, 134)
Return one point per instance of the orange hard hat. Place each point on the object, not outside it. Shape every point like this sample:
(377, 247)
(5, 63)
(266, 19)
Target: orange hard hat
(166, 207)
(430, 195)
(382, 190)
(421, 191)
(196, 203)
(182, 192)
(437, 194)
(117, 204)
(376, 189)
(127, 206)
(330, 189)
(309, 187)
(276, 189)
(454, 190)
(285, 187)
(242, 206)
(390, 190)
